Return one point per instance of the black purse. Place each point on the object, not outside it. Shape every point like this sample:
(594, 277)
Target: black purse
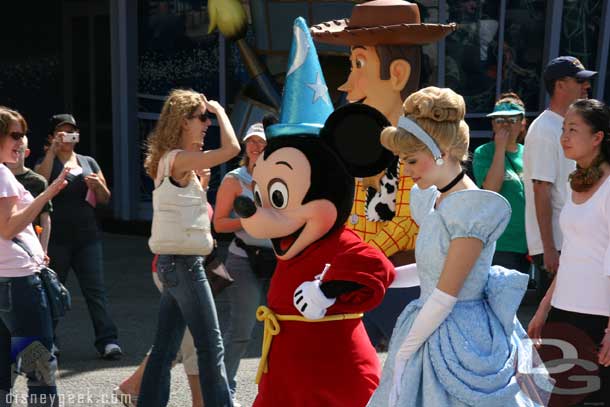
(262, 259)
(216, 273)
(59, 298)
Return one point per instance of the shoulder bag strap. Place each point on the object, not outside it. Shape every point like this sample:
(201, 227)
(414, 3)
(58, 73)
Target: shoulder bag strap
(166, 159)
(22, 244)
(26, 249)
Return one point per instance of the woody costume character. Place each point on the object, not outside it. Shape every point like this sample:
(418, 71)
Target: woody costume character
(385, 39)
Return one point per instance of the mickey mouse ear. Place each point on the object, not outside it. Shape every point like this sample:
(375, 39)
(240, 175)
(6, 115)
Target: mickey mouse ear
(352, 131)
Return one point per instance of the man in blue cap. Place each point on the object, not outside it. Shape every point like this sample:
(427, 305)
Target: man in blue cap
(546, 169)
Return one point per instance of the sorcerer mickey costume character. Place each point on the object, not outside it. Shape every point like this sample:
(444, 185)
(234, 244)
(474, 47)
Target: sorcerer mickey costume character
(315, 349)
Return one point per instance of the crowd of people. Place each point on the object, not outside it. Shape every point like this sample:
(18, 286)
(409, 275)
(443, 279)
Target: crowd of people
(548, 217)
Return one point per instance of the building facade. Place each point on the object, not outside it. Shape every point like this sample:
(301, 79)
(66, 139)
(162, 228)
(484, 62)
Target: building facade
(112, 62)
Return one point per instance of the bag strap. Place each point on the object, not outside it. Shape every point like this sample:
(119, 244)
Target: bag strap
(241, 244)
(26, 249)
(169, 161)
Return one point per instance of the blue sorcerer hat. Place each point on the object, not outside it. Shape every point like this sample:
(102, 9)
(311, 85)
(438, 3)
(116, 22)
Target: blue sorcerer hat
(306, 103)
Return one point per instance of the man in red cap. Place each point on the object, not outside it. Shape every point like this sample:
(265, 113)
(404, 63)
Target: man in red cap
(385, 39)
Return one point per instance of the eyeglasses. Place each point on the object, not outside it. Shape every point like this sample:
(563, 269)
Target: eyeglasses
(509, 120)
(255, 141)
(17, 135)
(203, 117)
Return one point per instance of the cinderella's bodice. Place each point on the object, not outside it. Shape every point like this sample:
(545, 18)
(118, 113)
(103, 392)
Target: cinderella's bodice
(469, 213)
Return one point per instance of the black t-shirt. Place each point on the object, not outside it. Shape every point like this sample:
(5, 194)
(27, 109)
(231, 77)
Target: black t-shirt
(36, 184)
(73, 218)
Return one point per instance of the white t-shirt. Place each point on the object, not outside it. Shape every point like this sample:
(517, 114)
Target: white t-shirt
(14, 261)
(583, 279)
(543, 160)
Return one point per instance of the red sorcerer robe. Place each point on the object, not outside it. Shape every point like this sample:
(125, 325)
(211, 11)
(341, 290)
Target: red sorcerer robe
(332, 363)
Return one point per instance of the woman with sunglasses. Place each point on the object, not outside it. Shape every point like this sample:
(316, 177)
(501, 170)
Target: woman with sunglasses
(238, 302)
(186, 299)
(498, 167)
(26, 326)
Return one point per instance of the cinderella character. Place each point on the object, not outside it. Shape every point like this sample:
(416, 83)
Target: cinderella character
(460, 343)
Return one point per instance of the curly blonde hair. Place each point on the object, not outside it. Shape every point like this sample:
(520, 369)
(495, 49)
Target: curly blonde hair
(440, 112)
(167, 134)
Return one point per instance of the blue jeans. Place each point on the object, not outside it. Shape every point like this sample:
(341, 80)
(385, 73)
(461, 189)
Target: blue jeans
(236, 307)
(26, 335)
(86, 261)
(186, 300)
(379, 322)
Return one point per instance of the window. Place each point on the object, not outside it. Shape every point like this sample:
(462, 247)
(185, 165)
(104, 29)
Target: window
(471, 52)
(174, 49)
(580, 30)
(523, 50)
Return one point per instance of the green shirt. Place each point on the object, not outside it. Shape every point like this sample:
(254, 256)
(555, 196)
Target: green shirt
(35, 184)
(513, 239)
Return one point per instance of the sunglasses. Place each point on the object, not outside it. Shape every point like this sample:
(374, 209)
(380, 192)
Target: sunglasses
(203, 117)
(17, 135)
(509, 120)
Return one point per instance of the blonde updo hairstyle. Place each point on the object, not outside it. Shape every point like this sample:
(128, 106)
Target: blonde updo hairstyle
(440, 113)
(167, 134)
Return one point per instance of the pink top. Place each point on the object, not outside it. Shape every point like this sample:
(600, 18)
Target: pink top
(14, 261)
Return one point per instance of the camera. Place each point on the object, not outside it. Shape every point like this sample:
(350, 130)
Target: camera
(70, 138)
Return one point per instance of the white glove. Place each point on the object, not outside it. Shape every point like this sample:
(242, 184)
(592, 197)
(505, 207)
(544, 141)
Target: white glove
(311, 301)
(436, 309)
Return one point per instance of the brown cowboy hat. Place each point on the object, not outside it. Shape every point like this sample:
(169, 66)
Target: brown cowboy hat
(387, 22)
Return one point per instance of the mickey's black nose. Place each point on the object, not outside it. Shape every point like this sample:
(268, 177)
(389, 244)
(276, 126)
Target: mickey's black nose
(244, 207)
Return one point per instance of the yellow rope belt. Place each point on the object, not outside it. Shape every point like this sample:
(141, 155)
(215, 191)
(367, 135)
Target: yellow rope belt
(272, 328)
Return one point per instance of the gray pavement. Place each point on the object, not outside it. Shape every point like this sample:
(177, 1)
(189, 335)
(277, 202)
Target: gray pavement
(87, 380)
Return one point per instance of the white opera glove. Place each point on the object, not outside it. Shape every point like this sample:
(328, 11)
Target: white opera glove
(436, 309)
(310, 300)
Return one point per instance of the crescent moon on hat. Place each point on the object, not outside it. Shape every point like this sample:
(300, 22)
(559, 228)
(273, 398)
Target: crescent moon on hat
(302, 49)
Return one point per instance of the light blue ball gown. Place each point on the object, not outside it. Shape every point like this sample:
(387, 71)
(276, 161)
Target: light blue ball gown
(472, 359)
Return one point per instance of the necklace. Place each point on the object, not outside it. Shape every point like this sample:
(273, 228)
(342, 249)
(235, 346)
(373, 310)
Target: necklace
(452, 183)
(583, 179)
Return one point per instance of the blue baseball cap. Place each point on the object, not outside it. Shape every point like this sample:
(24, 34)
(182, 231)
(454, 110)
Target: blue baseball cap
(507, 109)
(566, 66)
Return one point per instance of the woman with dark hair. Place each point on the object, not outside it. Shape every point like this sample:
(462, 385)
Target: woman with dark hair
(576, 308)
(26, 326)
(76, 241)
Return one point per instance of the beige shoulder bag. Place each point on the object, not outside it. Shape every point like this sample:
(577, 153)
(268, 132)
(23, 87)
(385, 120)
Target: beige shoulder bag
(180, 216)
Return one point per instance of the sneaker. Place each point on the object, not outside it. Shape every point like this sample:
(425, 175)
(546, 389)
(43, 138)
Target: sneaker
(112, 351)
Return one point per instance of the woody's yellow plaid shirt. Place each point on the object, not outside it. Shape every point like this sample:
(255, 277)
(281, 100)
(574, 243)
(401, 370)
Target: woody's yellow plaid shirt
(390, 236)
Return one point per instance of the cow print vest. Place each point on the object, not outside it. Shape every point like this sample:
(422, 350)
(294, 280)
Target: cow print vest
(381, 205)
